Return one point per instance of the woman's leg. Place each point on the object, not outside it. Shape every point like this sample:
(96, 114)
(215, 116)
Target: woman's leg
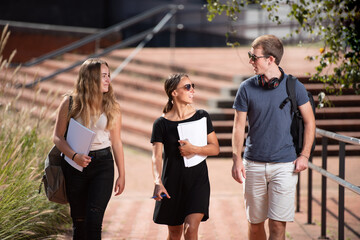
(76, 189)
(175, 232)
(99, 193)
(191, 225)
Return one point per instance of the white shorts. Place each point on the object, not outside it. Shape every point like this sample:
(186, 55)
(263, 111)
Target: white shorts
(269, 191)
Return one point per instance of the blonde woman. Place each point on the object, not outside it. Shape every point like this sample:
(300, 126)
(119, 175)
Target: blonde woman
(182, 193)
(92, 104)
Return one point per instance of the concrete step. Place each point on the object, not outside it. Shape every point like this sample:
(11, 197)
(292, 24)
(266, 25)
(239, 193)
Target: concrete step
(136, 125)
(226, 138)
(333, 150)
(336, 101)
(131, 139)
(332, 125)
(336, 125)
(201, 96)
(38, 103)
(135, 110)
(157, 74)
(322, 113)
(316, 88)
(154, 60)
(352, 112)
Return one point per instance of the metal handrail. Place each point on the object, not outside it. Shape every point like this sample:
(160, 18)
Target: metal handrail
(335, 178)
(340, 180)
(115, 28)
(122, 44)
(159, 27)
(147, 35)
(338, 137)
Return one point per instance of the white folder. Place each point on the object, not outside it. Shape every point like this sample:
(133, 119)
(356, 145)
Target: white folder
(196, 133)
(79, 139)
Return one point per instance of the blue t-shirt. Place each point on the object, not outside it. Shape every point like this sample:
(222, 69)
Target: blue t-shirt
(269, 138)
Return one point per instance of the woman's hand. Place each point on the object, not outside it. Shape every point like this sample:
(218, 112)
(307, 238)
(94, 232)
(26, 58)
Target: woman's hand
(211, 149)
(82, 160)
(158, 190)
(119, 185)
(186, 148)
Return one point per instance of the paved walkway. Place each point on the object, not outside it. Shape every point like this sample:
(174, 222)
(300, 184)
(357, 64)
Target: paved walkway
(129, 216)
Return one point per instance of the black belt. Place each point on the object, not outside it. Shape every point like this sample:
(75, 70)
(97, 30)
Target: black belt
(100, 152)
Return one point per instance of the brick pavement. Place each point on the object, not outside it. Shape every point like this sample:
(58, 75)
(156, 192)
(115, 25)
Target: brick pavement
(129, 216)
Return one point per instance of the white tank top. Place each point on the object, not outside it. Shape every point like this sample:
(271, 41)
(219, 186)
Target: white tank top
(102, 136)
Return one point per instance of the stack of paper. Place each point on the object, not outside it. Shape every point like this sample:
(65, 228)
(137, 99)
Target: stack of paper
(196, 133)
(79, 139)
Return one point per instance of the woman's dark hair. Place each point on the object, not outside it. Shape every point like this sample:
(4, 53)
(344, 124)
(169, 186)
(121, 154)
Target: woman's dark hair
(170, 85)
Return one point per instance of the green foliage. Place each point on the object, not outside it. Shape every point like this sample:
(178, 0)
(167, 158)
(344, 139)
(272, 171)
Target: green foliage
(334, 22)
(24, 213)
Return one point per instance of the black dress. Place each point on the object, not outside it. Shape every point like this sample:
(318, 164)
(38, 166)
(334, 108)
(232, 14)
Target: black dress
(188, 187)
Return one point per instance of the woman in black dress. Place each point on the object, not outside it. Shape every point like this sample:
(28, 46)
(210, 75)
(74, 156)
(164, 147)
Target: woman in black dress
(182, 193)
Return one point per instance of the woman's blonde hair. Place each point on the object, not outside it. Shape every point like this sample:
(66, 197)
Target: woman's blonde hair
(88, 99)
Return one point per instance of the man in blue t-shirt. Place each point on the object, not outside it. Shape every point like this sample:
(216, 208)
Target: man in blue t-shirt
(270, 166)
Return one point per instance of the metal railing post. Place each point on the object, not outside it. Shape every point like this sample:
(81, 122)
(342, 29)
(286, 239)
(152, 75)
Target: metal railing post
(309, 202)
(298, 194)
(341, 207)
(323, 189)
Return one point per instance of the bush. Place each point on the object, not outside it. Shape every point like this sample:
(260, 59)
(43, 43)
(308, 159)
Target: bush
(24, 213)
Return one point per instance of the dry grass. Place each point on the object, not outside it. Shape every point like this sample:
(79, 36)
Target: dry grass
(24, 141)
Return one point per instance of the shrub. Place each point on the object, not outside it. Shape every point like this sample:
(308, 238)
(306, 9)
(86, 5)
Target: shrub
(24, 142)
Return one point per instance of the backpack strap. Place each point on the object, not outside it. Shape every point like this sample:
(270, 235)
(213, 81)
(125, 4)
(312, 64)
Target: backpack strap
(70, 106)
(70, 103)
(290, 89)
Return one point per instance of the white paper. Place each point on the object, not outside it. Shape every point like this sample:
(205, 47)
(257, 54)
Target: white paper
(79, 139)
(196, 133)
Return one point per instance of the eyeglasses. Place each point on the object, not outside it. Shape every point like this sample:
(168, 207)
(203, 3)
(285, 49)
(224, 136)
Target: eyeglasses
(253, 57)
(188, 86)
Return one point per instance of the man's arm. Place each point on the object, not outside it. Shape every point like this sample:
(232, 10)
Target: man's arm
(237, 145)
(309, 134)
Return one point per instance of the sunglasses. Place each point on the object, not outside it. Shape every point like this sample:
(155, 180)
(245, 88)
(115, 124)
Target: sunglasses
(188, 86)
(253, 57)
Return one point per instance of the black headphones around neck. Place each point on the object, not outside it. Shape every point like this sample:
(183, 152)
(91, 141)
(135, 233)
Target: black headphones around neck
(273, 82)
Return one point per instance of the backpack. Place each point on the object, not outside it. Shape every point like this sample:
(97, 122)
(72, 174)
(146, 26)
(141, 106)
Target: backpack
(297, 124)
(53, 178)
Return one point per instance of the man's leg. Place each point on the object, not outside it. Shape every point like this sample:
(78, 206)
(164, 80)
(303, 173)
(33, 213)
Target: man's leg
(282, 189)
(256, 231)
(276, 230)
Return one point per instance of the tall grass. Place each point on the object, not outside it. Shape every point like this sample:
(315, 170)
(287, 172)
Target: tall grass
(24, 143)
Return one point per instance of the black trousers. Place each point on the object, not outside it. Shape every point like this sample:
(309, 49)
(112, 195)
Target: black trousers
(89, 192)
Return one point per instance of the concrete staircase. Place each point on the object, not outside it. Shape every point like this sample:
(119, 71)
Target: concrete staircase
(139, 89)
(343, 117)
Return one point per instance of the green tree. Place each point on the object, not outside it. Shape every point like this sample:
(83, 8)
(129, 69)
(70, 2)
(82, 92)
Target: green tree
(336, 23)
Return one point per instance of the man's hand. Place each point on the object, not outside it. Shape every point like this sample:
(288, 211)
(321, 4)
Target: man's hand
(238, 171)
(301, 163)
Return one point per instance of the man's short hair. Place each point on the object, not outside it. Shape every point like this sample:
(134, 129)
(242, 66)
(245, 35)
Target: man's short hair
(271, 45)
